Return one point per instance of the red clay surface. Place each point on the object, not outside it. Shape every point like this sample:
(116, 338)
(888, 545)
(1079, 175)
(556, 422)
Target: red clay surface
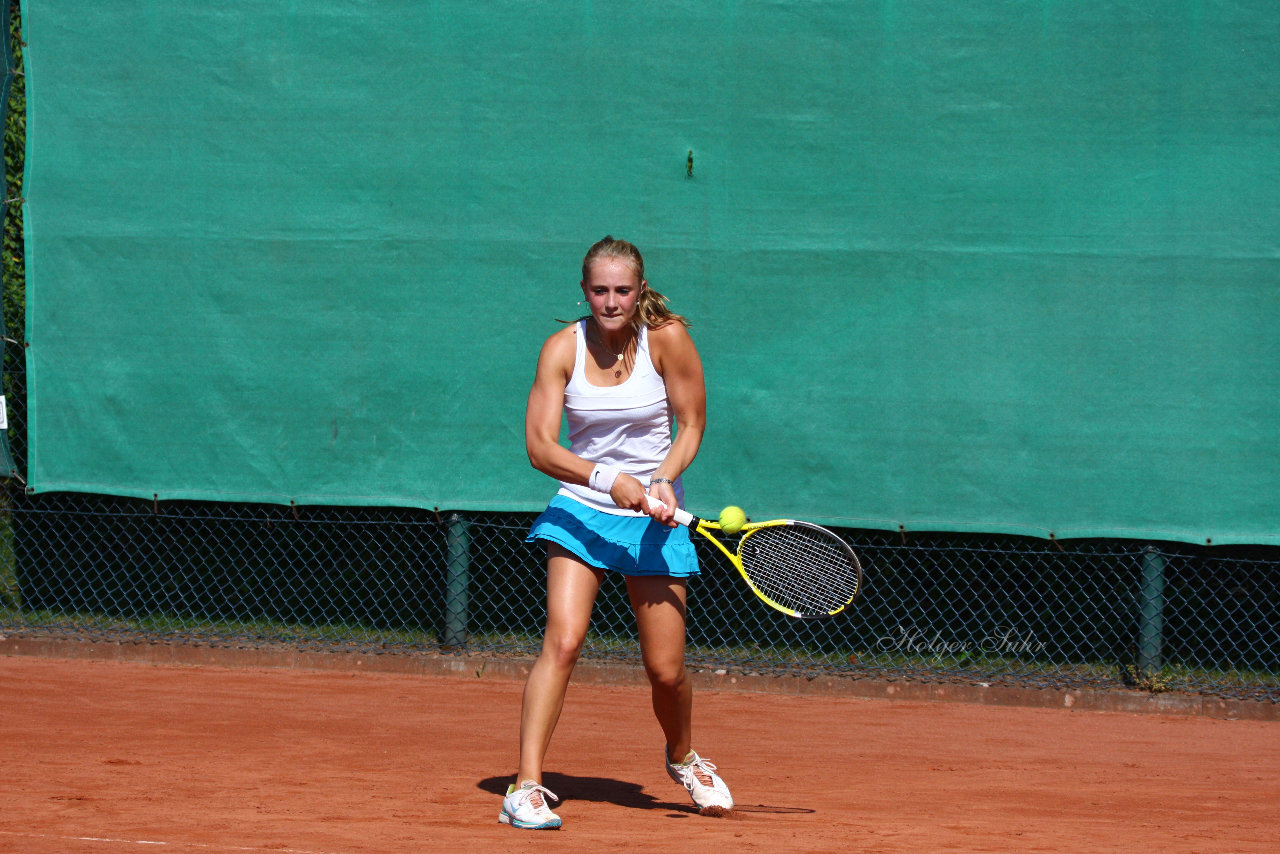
(106, 756)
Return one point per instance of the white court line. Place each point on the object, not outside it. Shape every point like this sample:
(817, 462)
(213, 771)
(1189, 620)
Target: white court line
(206, 845)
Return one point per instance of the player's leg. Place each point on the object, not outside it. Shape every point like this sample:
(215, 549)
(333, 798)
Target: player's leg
(659, 603)
(571, 593)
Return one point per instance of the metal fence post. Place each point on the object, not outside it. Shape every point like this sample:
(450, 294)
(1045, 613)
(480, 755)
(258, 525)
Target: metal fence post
(1151, 605)
(457, 581)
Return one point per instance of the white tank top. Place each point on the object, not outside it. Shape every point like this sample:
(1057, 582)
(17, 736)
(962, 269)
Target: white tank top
(627, 426)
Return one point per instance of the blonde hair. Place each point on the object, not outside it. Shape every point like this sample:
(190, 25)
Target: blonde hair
(651, 306)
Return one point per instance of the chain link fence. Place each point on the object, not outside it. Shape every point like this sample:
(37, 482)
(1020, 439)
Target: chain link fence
(935, 607)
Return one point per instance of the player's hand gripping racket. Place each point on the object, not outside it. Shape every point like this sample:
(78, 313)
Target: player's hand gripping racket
(800, 569)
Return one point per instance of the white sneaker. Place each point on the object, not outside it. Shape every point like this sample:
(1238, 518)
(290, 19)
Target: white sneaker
(526, 807)
(704, 785)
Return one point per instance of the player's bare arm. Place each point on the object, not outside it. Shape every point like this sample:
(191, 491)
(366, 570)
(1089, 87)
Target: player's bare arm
(543, 411)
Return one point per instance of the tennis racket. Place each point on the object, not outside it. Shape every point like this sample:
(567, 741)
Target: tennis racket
(800, 569)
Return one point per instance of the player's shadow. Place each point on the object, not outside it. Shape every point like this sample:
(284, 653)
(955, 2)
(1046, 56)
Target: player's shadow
(596, 789)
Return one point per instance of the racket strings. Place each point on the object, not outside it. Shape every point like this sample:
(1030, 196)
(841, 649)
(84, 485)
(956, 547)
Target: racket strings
(804, 568)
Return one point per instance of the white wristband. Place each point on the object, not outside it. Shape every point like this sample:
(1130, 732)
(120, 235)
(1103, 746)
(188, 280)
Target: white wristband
(602, 478)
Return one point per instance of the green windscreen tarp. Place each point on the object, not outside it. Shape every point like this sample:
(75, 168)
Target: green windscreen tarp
(986, 266)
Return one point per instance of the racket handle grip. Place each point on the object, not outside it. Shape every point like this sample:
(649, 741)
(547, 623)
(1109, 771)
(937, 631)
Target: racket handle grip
(682, 516)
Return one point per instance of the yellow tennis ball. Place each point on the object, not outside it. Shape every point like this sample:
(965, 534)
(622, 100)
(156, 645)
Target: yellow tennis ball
(732, 519)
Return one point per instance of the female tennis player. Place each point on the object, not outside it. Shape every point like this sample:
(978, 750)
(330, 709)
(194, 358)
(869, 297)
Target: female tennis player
(619, 374)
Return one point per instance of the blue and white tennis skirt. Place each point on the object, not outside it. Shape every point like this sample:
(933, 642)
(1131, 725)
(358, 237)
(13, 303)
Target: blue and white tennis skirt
(631, 545)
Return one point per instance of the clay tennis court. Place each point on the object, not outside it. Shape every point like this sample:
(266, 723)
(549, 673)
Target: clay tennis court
(111, 756)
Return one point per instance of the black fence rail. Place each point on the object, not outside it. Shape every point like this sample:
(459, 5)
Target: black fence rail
(937, 607)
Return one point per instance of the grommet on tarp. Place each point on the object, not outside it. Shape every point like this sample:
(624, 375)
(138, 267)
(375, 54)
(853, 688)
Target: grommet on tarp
(902, 532)
(436, 510)
(1054, 540)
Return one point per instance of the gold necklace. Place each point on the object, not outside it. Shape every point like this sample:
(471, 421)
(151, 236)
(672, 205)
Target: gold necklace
(625, 347)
